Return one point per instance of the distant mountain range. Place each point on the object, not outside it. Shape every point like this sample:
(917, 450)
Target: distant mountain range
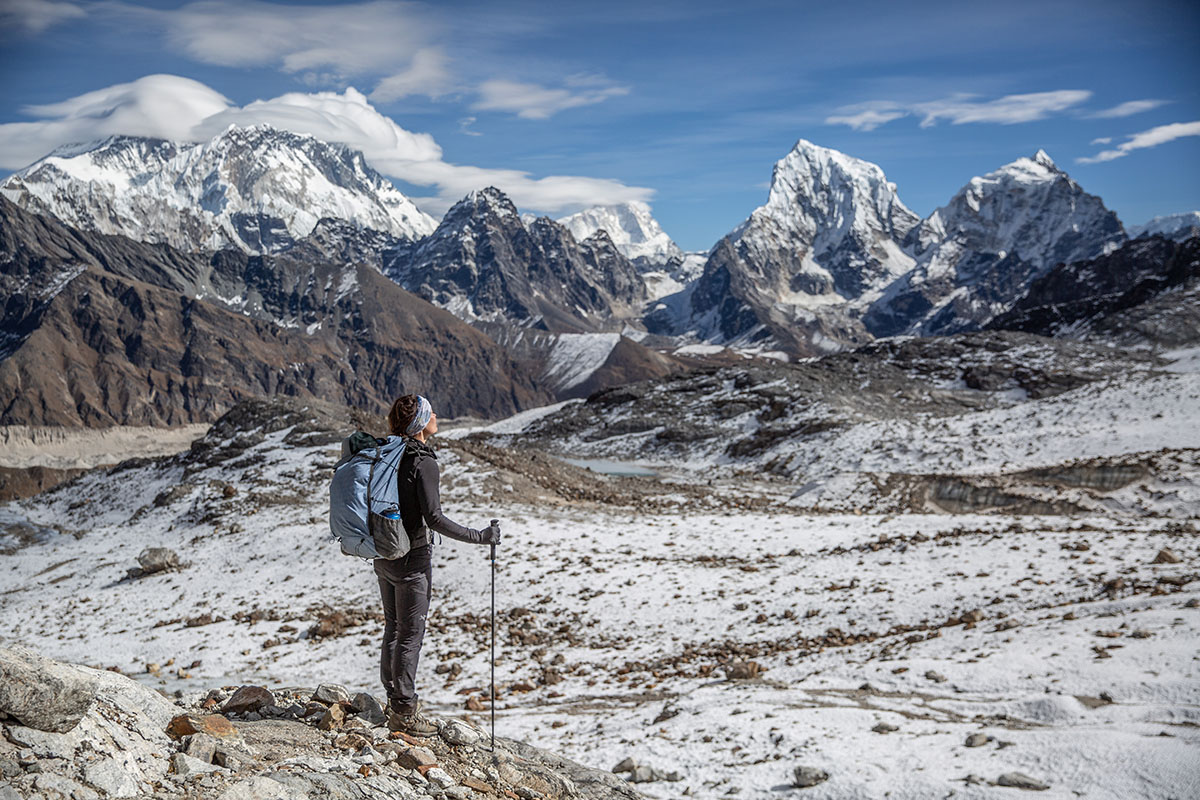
(284, 242)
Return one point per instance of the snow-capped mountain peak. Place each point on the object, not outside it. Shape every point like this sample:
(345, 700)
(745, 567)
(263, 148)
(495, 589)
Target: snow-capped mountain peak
(632, 228)
(1173, 226)
(258, 189)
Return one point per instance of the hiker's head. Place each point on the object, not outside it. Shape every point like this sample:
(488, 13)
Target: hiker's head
(412, 415)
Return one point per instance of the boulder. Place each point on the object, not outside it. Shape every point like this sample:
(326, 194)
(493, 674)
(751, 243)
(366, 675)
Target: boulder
(1020, 780)
(803, 777)
(332, 719)
(330, 693)
(182, 764)
(743, 670)
(415, 757)
(457, 732)
(43, 694)
(367, 707)
(158, 559)
(201, 746)
(212, 724)
(1166, 556)
(248, 698)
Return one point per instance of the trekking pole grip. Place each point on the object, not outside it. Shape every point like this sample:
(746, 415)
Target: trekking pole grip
(494, 523)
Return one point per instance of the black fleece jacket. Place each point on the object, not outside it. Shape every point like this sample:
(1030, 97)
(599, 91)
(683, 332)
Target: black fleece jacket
(420, 498)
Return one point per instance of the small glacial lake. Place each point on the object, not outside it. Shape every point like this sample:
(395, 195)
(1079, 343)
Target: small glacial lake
(618, 468)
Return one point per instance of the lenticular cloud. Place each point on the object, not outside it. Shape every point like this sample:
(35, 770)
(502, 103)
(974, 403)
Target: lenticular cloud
(172, 107)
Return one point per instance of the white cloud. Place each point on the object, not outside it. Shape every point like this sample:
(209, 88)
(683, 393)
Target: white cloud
(427, 74)
(35, 16)
(531, 101)
(867, 116)
(1127, 109)
(1150, 138)
(1102, 140)
(163, 106)
(172, 107)
(959, 109)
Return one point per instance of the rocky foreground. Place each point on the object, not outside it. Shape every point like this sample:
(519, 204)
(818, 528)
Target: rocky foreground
(75, 732)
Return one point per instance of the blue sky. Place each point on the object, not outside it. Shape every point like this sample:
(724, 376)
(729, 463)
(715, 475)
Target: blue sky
(686, 105)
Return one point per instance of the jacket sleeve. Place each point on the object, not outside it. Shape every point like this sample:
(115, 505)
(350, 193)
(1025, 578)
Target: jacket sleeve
(429, 500)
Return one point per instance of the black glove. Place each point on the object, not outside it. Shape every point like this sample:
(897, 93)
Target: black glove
(491, 534)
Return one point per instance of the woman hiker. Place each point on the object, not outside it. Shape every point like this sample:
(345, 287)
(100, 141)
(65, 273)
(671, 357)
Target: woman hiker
(405, 583)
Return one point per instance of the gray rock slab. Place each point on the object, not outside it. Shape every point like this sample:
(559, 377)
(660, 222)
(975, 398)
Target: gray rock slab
(184, 765)
(44, 744)
(258, 787)
(109, 777)
(41, 693)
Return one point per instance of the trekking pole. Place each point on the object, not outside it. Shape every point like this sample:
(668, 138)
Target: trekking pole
(495, 522)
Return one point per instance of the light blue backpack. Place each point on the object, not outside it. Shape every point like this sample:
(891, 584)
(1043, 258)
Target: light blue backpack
(364, 510)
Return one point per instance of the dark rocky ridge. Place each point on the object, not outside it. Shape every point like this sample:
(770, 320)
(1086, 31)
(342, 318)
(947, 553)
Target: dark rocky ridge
(121, 322)
(484, 263)
(1143, 292)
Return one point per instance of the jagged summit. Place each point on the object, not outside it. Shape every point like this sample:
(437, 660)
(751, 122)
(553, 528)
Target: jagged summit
(632, 228)
(257, 188)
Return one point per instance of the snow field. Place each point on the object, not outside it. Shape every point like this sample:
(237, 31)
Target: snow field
(621, 595)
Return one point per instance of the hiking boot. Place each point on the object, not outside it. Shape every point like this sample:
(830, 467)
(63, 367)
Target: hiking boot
(413, 723)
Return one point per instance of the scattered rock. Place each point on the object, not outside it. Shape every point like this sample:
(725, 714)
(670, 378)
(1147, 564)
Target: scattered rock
(459, 733)
(184, 765)
(211, 724)
(885, 727)
(415, 757)
(644, 773)
(743, 670)
(232, 758)
(440, 777)
(1167, 556)
(333, 718)
(367, 707)
(625, 765)
(158, 559)
(977, 740)
(1020, 780)
(330, 693)
(41, 693)
(475, 704)
(936, 677)
(248, 698)
(803, 777)
(201, 746)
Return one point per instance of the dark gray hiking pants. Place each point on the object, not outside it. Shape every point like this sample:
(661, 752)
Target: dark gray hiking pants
(404, 586)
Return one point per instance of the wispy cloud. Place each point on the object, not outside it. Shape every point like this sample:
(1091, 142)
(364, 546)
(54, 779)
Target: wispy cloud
(960, 109)
(427, 74)
(867, 116)
(1140, 141)
(35, 16)
(171, 107)
(1126, 109)
(464, 126)
(1102, 140)
(533, 101)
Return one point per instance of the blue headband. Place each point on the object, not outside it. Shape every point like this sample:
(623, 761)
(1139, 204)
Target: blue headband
(421, 418)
